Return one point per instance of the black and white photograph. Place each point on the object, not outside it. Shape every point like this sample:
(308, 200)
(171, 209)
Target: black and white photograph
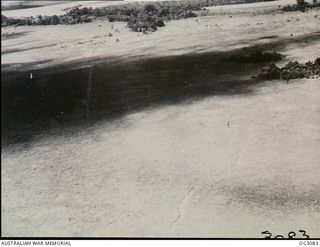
(164, 119)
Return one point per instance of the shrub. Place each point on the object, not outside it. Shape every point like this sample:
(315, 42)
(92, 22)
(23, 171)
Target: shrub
(140, 17)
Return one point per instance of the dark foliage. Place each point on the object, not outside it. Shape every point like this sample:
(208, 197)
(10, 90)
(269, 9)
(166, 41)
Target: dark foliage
(140, 17)
(292, 70)
(301, 7)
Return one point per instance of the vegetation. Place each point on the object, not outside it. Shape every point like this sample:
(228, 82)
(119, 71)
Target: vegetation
(140, 17)
(301, 6)
(44, 20)
(292, 70)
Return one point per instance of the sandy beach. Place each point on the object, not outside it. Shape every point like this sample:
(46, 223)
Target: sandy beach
(219, 165)
(43, 46)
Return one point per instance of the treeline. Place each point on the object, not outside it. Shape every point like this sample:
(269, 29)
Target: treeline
(302, 7)
(140, 17)
(292, 70)
(44, 20)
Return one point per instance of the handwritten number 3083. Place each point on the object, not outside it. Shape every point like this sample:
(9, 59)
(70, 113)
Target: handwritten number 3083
(290, 234)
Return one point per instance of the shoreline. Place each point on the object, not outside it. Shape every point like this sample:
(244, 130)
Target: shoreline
(215, 65)
(278, 45)
(179, 142)
(147, 162)
(45, 46)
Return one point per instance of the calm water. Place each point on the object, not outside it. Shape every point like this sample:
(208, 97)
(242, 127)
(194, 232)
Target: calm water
(68, 97)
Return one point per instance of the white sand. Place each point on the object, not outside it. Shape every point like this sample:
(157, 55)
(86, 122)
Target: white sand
(51, 45)
(176, 170)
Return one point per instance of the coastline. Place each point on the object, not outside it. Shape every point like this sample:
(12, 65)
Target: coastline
(44, 46)
(175, 142)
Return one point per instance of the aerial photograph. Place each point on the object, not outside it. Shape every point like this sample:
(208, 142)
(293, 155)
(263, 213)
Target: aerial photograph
(160, 119)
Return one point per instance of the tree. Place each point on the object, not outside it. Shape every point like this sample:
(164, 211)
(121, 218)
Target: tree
(300, 4)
